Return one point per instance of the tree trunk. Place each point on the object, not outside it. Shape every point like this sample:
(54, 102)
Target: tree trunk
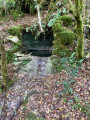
(79, 28)
(80, 44)
(4, 65)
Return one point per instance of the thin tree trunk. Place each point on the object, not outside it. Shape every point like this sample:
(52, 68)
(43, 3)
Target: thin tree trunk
(4, 71)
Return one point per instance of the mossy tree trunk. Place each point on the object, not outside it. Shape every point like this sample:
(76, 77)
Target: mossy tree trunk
(4, 71)
(79, 28)
(80, 44)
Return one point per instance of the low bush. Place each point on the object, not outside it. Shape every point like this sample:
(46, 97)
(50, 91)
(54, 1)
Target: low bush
(15, 30)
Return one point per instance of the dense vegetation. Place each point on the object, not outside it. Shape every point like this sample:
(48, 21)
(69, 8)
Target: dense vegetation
(67, 20)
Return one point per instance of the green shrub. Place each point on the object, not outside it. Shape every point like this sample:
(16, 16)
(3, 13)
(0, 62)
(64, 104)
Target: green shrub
(27, 4)
(16, 14)
(11, 4)
(15, 30)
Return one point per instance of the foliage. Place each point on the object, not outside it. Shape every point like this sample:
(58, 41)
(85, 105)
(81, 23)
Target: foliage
(27, 4)
(9, 4)
(71, 65)
(83, 108)
(15, 30)
(67, 20)
(10, 54)
(53, 20)
(32, 116)
(16, 14)
(60, 50)
(24, 62)
(34, 29)
(2, 11)
(64, 2)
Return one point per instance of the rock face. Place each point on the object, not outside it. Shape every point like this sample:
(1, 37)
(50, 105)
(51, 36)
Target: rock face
(38, 67)
(13, 39)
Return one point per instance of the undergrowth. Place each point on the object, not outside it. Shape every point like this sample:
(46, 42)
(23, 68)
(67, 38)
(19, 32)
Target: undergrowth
(71, 65)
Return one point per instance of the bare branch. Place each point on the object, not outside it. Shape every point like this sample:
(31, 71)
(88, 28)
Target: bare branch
(39, 18)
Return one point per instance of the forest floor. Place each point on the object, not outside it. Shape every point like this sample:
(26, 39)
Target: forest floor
(45, 98)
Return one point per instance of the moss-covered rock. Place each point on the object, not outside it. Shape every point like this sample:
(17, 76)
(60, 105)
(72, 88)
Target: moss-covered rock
(57, 26)
(15, 30)
(67, 20)
(64, 37)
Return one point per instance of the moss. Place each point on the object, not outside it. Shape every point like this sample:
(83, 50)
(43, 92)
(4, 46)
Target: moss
(80, 44)
(79, 28)
(15, 30)
(60, 50)
(58, 28)
(57, 25)
(64, 38)
(67, 37)
(10, 54)
(4, 70)
(61, 23)
(67, 20)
